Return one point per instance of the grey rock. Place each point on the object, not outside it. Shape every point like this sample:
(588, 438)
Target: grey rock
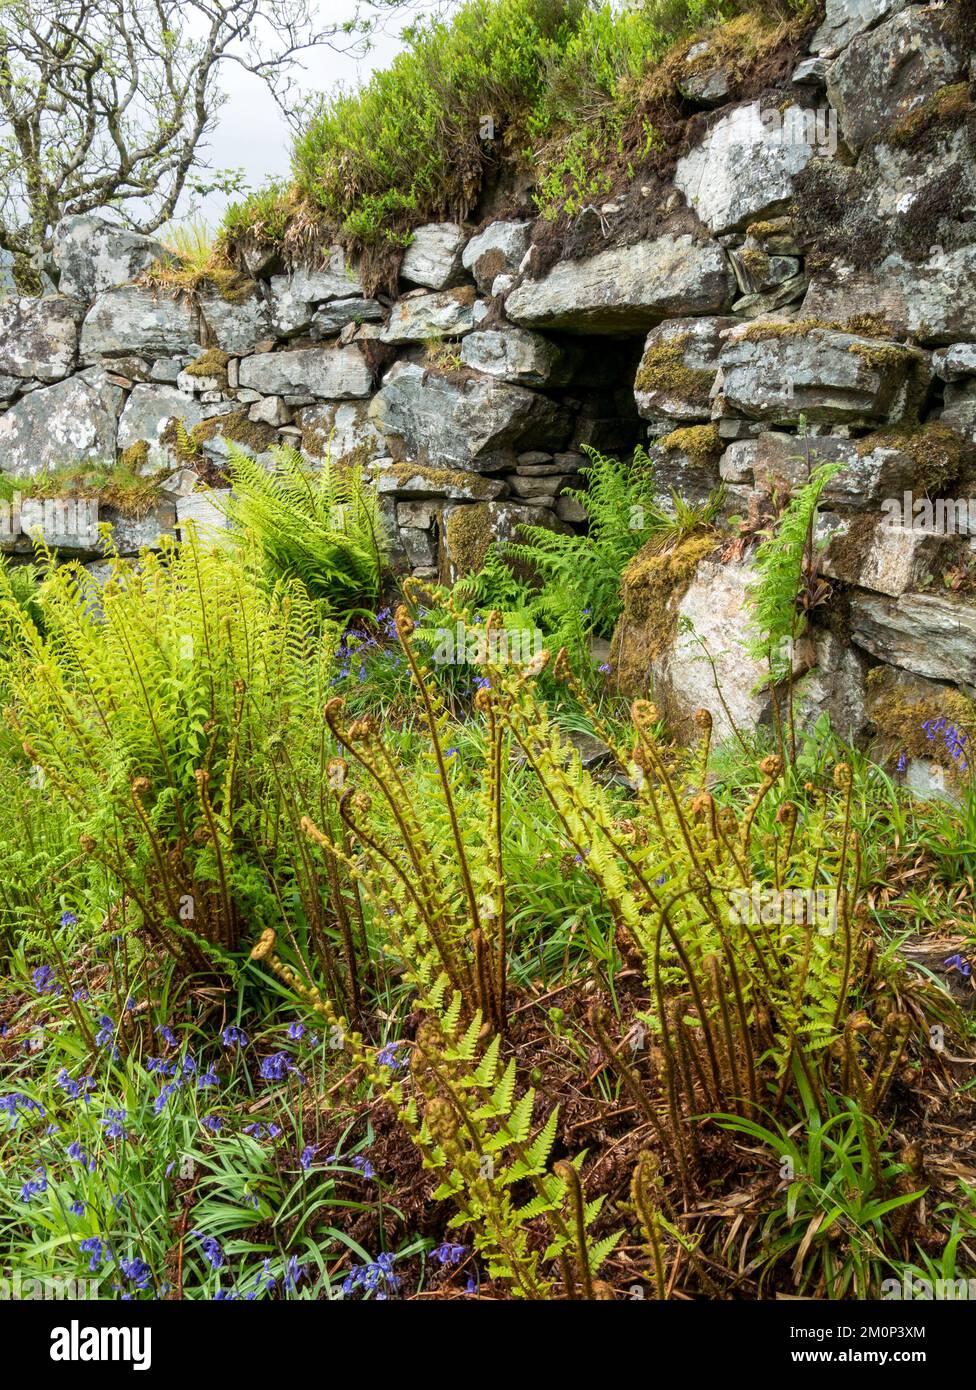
(166, 370)
(415, 481)
(270, 410)
(131, 534)
(39, 337)
(203, 513)
(132, 319)
(419, 546)
(884, 75)
(294, 298)
(430, 317)
(332, 318)
(714, 617)
(745, 166)
(627, 289)
(702, 80)
(433, 258)
(933, 635)
(419, 514)
(836, 685)
(336, 429)
(845, 19)
(811, 72)
(93, 255)
(235, 326)
(887, 560)
(498, 249)
(517, 355)
(775, 461)
(469, 529)
(933, 301)
(335, 373)
(148, 412)
(70, 422)
(538, 488)
(678, 368)
(959, 410)
(473, 423)
(568, 509)
(952, 363)
(757, 306)
(821, 374)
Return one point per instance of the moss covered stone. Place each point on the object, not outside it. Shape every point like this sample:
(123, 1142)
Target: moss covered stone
(652, 587)
(702, 444)
(939, 454)
(663, 368)
(468, 534)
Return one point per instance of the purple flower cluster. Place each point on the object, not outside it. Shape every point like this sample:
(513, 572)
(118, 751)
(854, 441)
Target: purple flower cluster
(376, 1278)
(954, 739)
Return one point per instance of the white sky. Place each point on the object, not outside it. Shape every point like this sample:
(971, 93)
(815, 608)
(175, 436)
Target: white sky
(251, 132)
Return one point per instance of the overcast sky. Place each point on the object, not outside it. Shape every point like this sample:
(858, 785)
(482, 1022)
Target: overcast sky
(251, 132)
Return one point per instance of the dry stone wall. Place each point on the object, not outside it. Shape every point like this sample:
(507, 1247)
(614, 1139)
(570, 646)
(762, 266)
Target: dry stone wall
(804, 288)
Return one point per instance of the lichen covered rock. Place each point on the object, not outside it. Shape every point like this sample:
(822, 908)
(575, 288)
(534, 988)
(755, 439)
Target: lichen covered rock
(627, 289)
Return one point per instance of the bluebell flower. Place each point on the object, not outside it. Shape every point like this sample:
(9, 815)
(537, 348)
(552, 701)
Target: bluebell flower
(93, 1246)
(106, 1030)
(45, 981)
(957, 962)
(77, 1208)
(210, 1246)
(307, 1156)
(136, 1271)
(114, 1124)
(167, 1034)
(79, 996)
(448, 1254)
(388, 1055)
(68, 919)
(234, 1036)
(207, 1078)
(78, 1155)
(296, 1031)
(34, 1186)
(293, 1273)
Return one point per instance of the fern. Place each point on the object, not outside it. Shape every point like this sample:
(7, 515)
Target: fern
(779, 563)
(322, 527)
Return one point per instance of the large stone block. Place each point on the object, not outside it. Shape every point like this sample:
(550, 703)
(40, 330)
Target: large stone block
(845, 19)
(933, 635)
(294, 298)
(433, 258)
(335, 373)
(70, 422)
(497, 250)
(932, 301)
(465, 422)
(39, 337)
(468, 529)
(627, 289)
(884, 75)
(133, 319)
(336, 429)
(778, 372)
(93, 255)
(426, 318)
(149, 414)
(745, 166)
(517, 355)
(678, 368)
(235, 325)
(777, 462)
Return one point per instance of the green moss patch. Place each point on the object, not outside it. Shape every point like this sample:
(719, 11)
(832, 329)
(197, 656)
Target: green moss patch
(663, 368)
